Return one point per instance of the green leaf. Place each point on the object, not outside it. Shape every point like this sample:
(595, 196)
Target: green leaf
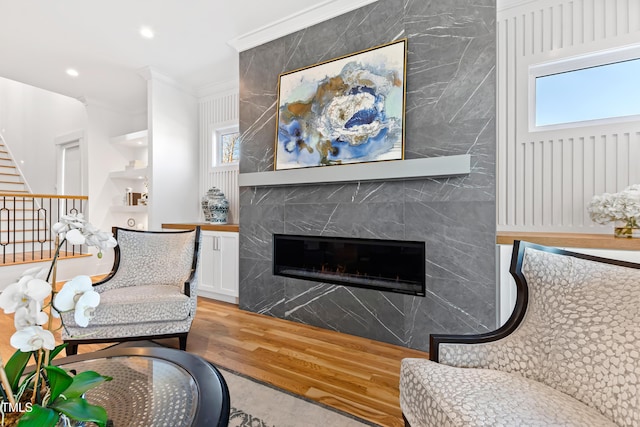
(39, 417)
(15, 366)
(84, 381)
(81, 410)
(59, 381)
(53, 353)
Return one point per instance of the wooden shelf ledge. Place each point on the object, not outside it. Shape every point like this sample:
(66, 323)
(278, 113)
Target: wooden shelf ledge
(234, 228)
(570, 240)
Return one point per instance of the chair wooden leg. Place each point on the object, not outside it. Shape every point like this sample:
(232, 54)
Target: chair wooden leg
(71, 349)
(183, 342)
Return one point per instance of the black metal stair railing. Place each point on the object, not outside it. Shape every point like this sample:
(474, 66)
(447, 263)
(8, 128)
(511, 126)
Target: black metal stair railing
(26, 222)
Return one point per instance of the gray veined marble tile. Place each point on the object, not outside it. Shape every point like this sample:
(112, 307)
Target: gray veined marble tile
(262, 196)
(258, 224)
(361, 29)
(358, 311)
(351, 192)
(260, 291)
(372, 220)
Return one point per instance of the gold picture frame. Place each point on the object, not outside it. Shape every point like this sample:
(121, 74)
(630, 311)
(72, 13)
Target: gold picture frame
(345, 110)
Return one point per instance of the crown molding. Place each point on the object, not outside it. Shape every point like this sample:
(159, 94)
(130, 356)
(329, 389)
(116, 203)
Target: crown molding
(150, 74)
(305, 18)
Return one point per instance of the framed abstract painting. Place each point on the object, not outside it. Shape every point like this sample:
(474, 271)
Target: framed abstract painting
(345, 110)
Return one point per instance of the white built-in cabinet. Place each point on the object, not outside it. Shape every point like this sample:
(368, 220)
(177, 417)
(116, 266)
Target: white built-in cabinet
(218, 276)
(133, 173)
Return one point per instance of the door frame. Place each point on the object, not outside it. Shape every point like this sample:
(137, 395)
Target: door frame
(62, 142)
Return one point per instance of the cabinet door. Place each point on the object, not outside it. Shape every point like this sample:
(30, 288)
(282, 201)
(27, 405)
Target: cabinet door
(208, 261)
(219, 265)
(227, 279)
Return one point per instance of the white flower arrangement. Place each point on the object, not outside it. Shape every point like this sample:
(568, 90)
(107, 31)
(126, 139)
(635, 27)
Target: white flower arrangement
(27, 298)
(623, 206)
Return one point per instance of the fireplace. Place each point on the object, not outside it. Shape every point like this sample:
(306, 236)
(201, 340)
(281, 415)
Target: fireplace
(384, 265)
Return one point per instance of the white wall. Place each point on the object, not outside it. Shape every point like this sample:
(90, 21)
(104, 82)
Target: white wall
(173, 154)
(30, 121)
(547, 178)
(219, 110)
(102, 158)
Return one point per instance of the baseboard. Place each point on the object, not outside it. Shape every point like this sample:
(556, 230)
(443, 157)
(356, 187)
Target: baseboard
(220, 297)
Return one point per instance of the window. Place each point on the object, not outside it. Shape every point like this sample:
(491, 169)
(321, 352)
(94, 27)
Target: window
(595, 89)
(226, 146)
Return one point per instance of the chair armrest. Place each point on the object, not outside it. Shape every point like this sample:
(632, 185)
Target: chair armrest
(192, 281)
(470, 351)
(484, 347)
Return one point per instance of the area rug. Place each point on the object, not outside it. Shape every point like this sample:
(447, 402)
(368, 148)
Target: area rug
(254, 404)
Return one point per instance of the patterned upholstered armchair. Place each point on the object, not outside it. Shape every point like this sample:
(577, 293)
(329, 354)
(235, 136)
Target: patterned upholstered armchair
(569, 355)
(150, 292)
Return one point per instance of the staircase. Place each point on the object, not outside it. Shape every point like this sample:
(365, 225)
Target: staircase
(26, 219)
(10, 179)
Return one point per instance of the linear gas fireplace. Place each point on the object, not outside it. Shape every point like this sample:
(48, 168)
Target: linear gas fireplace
(384, 265)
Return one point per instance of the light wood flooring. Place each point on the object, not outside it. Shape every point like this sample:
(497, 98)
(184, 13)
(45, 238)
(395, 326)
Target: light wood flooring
(355, 375)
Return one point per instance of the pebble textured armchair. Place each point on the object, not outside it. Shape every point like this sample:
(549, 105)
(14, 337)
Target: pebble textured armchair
(568, 356)
(150, 292)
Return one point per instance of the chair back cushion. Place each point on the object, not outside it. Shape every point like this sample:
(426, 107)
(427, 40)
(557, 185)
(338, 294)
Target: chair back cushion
(155, 258)
(584, 315)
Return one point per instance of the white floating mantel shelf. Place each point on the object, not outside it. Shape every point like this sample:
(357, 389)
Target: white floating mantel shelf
(432, 167)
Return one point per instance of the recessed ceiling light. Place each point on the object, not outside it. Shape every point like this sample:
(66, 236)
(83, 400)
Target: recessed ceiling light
(146, 32)
(73, 73)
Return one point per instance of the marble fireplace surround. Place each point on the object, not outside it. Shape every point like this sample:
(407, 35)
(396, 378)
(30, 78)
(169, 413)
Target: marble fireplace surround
(450, 111)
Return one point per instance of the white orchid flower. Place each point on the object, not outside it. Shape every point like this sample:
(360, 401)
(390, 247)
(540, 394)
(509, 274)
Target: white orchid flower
(36, 272)
(30, 315)
(68, 223)
(77, 231)
(75, 237)
(85, 308)
(59, 228)
(33, 338)
(19, 294)
(66, 299)
(78, 294)
(73, 220)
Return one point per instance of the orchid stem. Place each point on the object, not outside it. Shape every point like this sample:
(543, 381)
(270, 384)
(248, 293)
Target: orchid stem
(54, 272)
(35, 385)
(54, 263)
(5, 383)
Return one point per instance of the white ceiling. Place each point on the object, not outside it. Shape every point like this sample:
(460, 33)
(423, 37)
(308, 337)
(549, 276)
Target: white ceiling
(40, 39)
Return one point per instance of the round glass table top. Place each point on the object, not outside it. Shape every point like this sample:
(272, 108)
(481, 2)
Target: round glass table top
(144, 391)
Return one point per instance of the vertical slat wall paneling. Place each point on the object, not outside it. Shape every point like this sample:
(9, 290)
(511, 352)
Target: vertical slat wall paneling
(516, 164)
(216, 112)
(547, 178)
(634, 155)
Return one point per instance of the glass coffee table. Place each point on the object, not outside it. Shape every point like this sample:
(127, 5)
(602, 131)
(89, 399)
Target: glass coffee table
(155, 386)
